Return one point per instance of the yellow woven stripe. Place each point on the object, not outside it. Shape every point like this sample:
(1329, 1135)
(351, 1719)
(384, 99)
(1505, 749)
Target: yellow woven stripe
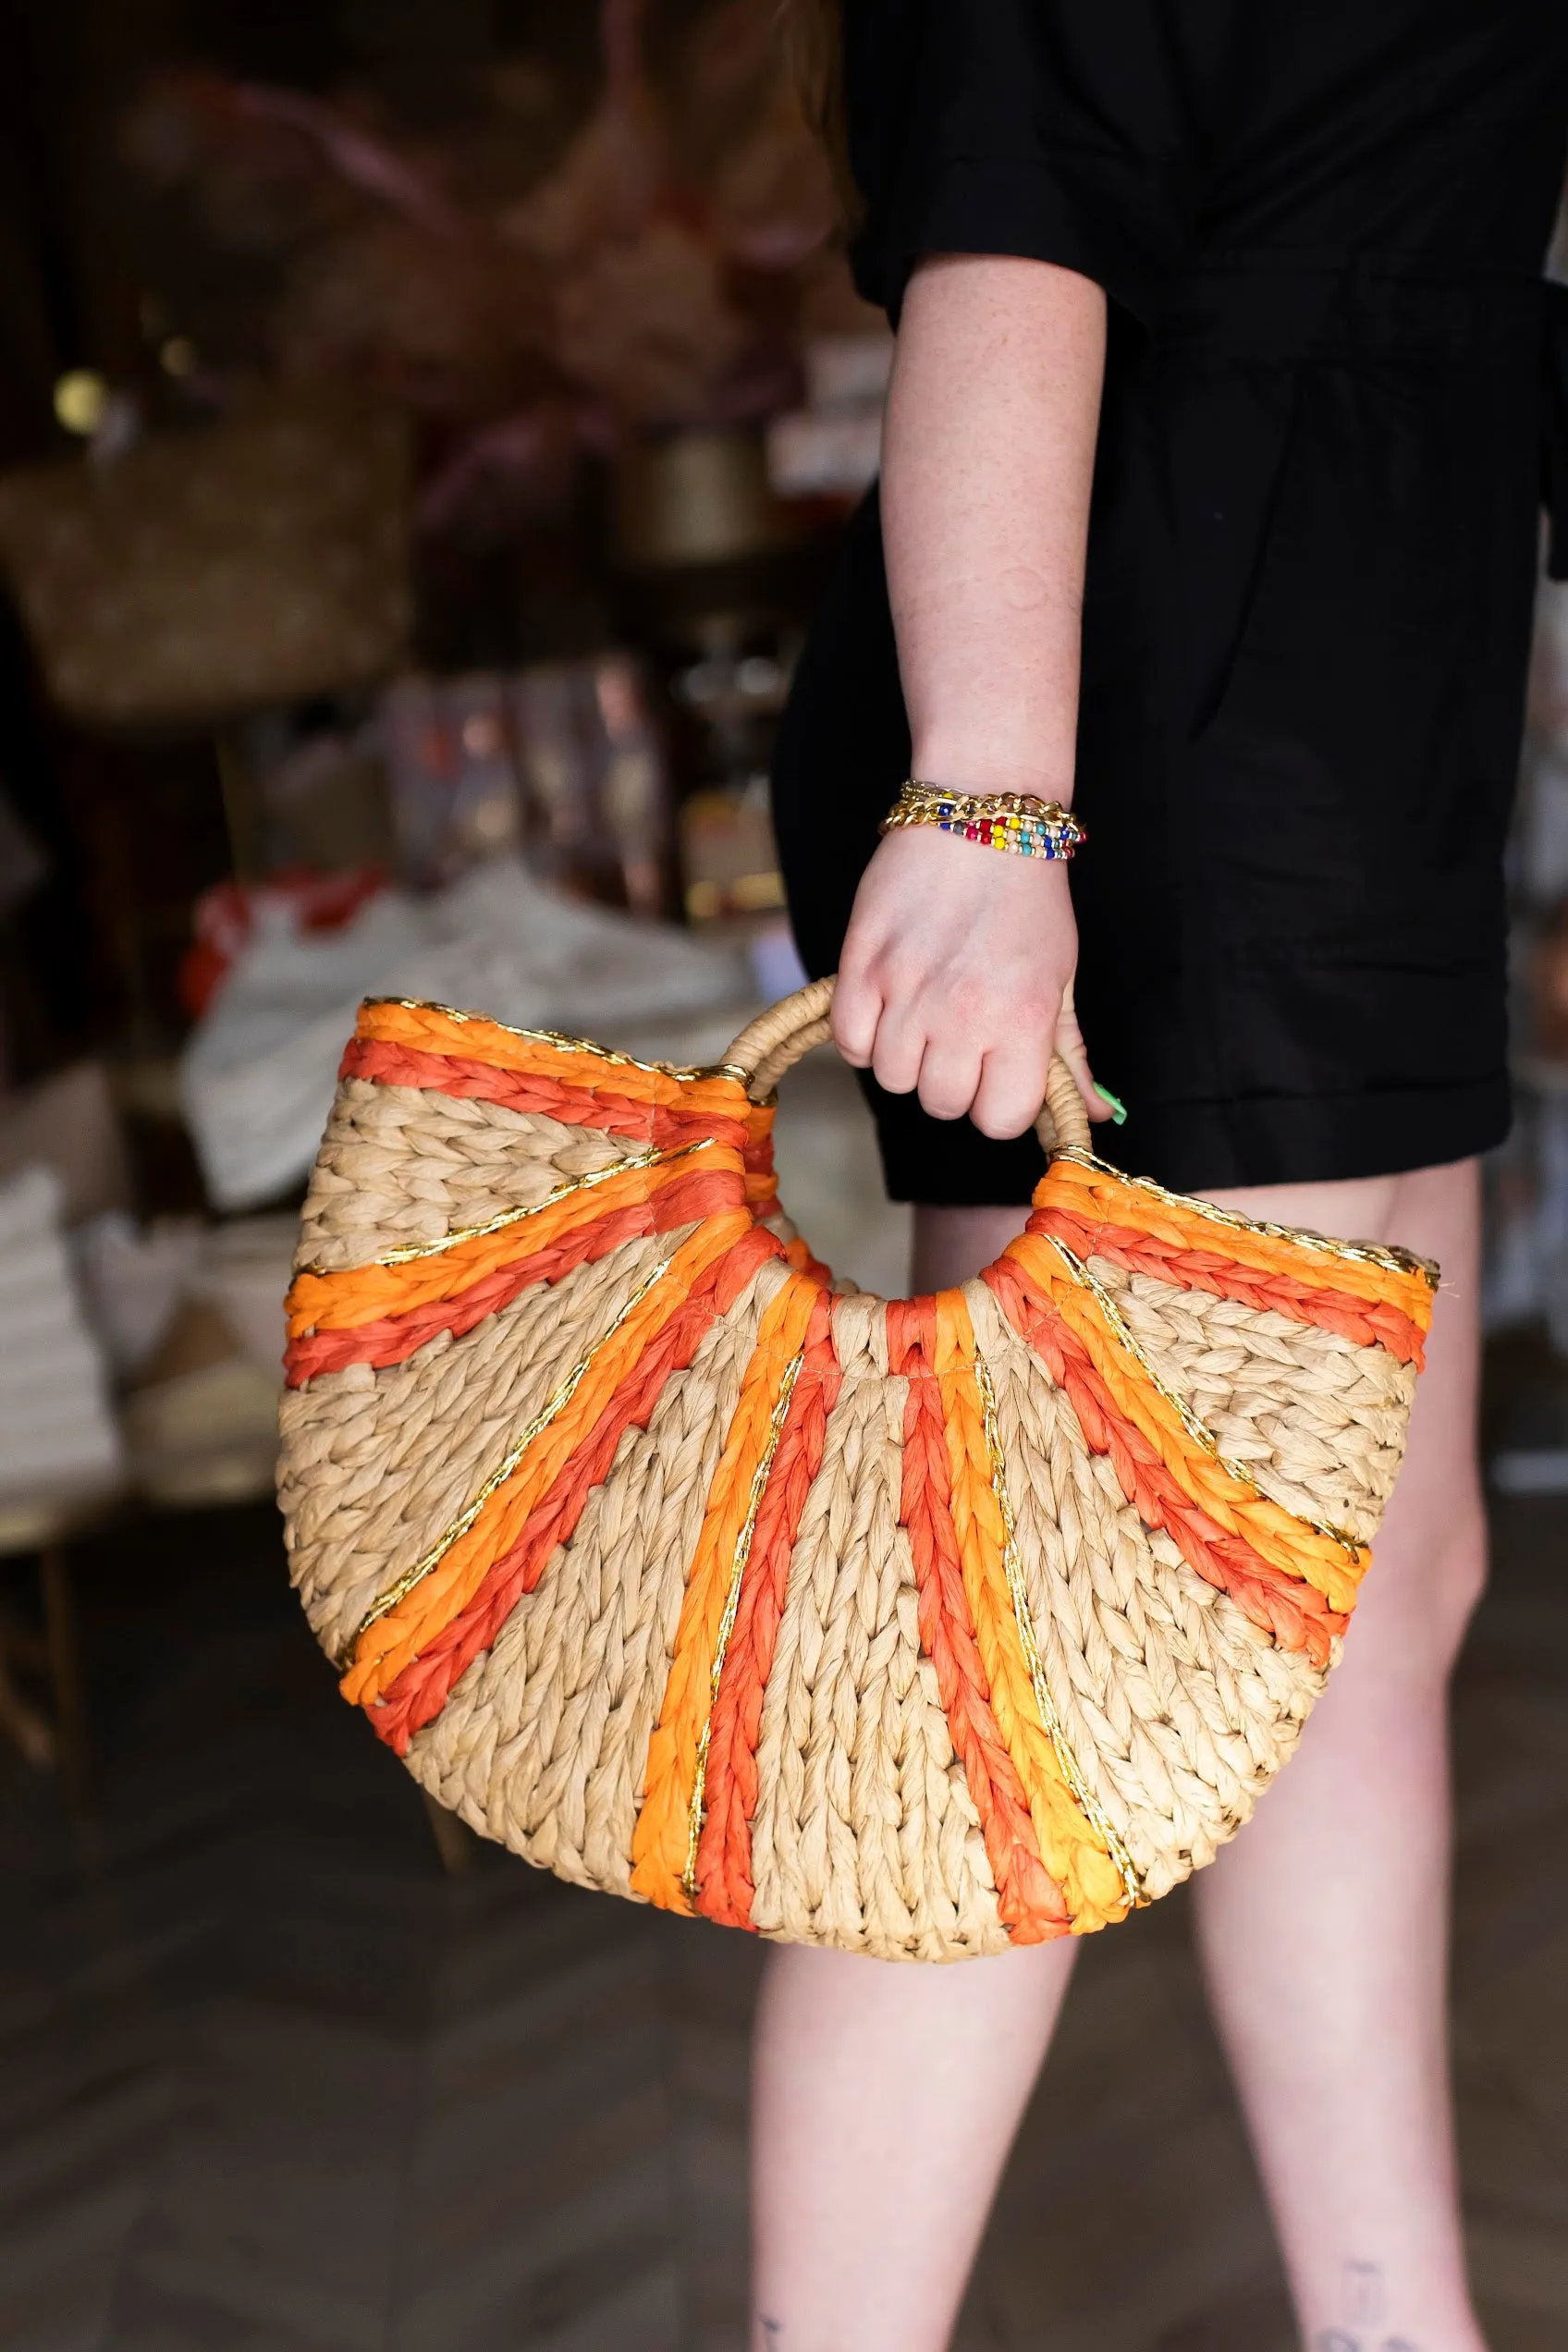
(1073, 1852)
(1275, 1534)
(661, 1839)
(392, 1642)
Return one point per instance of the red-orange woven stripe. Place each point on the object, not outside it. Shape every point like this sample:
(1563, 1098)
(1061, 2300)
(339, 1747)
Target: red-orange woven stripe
(1289, 1607)
(391, 1338)
(417, 1696)
(1030, 1902)
(1363, 1320)
(725, 1888)
(661, 1124)
(762, 1184)
(1101, 1193)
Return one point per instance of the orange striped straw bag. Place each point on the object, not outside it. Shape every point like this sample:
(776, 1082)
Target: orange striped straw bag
(914, 1626)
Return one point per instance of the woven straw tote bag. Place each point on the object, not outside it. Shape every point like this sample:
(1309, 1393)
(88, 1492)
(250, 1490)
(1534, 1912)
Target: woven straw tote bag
(918, 1628)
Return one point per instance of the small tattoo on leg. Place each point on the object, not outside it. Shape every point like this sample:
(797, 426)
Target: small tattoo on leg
(773, 2330)
(1364, 2305)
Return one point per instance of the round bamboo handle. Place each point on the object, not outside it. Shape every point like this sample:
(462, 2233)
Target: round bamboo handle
(777, 1039)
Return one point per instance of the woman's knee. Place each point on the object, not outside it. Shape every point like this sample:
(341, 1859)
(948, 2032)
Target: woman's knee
(1422, 1591)
(1459, 1579)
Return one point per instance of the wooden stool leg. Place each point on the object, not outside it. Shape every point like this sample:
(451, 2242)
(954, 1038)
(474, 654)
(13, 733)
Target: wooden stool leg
(19, 1719)
(65, 1673)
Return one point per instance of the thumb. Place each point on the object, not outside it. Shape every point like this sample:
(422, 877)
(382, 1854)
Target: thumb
(1071, 1046)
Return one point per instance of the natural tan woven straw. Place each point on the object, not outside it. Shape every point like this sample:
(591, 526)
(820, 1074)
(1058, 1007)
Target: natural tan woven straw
(916, 1626)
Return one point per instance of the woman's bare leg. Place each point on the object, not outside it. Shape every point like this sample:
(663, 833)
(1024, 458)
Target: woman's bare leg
(1324, 1927)
(887, 2096)
(1323, 1931)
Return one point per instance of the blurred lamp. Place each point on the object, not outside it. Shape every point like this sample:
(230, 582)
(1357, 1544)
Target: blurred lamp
(81, 398)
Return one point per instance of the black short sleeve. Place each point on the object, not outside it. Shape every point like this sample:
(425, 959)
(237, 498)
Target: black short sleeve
(1064, 130)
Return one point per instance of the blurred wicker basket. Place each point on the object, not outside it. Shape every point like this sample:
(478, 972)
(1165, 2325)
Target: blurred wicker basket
(204, 573)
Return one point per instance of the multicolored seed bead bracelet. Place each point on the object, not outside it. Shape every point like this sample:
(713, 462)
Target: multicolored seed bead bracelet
(1012, 821)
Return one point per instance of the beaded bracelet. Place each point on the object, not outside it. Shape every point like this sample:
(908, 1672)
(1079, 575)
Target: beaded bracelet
(1016, 822)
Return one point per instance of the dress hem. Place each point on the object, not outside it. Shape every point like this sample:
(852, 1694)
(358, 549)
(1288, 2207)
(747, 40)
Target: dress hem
(1208, 1147)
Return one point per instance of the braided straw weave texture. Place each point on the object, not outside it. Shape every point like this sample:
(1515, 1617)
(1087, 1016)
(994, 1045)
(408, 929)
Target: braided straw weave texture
(916, 1627)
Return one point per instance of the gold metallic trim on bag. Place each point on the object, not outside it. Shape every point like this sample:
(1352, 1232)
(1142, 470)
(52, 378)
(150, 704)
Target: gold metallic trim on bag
(1199, 1431)
(1391, 1259)
(432, 1559)
(571, 1044)
(697, 1810)
(1062, 1747)
(406, 1253)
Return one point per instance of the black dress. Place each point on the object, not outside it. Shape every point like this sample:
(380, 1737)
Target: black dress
(1334, 369)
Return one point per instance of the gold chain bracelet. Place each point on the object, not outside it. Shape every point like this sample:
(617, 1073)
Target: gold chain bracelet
(1015, 822)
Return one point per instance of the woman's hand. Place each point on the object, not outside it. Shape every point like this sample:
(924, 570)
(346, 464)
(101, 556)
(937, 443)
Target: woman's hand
(956, 980)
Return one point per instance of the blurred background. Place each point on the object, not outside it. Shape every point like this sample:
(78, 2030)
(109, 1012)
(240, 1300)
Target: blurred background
(424, 428)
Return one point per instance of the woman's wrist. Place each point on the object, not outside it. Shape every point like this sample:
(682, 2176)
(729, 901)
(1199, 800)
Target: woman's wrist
(974, 766)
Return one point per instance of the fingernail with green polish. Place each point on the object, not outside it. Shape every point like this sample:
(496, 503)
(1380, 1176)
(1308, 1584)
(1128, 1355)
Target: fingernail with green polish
(1117, 1108)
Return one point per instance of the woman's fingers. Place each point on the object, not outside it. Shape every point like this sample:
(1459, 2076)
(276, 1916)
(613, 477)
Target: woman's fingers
(857, 1009)
(1071, 1046)
(1001, 1089)
(896, 1055)
(950, 1076)
(1012, 1088)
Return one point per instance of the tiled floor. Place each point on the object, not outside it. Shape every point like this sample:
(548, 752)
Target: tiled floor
(269, 2081)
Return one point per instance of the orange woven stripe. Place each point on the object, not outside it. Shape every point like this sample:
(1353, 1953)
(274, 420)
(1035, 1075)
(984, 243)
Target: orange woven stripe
(660, 1843)
(417, 1696)
(1028, 1898)
(798, 1254)
(1291, 1610)
(362, 1294)
(578, 1094)
(725, 1887)
(1073, 1853)
(395, 1338)
(1279, 1537)
(1098, 1198)
(395, 1640)
(426, 1029)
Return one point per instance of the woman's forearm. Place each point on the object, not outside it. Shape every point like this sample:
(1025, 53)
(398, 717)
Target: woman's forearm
(987, 462)
(956, 977)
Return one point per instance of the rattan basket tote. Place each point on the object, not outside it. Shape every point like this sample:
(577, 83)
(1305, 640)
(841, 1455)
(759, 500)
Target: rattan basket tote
(916, 1626)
